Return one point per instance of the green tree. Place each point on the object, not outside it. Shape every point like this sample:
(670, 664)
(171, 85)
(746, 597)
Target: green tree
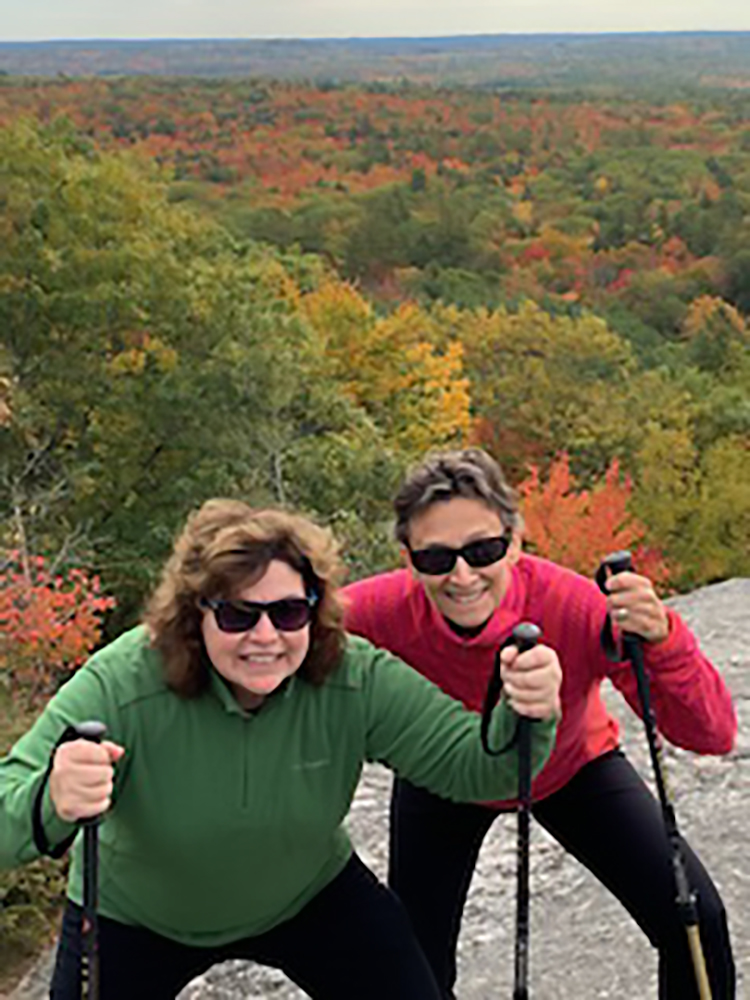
(149, 362)
(541, 385)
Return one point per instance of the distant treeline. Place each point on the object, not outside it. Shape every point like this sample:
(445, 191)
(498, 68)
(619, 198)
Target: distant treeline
(604, 62)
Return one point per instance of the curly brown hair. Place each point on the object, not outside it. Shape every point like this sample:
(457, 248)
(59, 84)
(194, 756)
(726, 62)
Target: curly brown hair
(224, 547)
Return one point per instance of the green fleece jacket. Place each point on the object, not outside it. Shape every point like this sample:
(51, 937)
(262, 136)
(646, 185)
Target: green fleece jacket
(225, 823)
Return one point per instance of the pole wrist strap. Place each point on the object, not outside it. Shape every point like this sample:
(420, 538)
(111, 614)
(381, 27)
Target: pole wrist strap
(37, 824)
(491, 698)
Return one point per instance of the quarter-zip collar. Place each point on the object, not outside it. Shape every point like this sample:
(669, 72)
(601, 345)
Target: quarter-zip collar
(221, 690)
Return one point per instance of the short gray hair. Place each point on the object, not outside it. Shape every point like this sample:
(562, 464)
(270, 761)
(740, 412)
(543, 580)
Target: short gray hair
(445, 475)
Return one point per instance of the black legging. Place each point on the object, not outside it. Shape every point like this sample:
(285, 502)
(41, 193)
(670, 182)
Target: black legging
(608, 819)
(352, 940)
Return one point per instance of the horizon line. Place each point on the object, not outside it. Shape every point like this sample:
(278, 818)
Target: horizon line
(377, 38)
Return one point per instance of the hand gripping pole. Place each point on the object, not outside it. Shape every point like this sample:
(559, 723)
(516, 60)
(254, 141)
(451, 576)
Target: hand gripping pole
(632, 650)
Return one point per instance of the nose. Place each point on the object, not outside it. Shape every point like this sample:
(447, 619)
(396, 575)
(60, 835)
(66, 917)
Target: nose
(462, 572)
(264, 630)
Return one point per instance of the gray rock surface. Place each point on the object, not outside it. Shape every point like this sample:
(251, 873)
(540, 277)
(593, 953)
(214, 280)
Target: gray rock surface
(583, 944)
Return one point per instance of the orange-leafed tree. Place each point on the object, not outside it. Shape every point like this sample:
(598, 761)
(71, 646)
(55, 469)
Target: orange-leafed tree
(49, 622)
(578, 527)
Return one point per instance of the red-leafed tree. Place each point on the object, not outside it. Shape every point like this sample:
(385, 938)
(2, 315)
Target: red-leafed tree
(578, 527)
(49, 623)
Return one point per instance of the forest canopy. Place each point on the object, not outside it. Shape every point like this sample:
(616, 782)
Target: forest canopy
(288, 292)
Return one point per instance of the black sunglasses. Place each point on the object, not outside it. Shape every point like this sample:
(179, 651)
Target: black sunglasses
(439, 559)
(290, 614)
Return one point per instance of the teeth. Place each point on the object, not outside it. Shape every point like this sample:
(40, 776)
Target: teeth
(466, 598)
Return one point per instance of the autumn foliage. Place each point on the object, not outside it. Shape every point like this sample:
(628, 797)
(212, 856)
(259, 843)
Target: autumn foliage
(288, 293)
(267, 314)
(578, 527)
(49, 623)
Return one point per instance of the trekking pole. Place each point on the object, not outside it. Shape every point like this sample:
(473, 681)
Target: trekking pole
(93, 731)
(525, 636)
(619, 562)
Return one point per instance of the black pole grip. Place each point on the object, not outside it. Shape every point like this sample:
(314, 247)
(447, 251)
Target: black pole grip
(526, 636)
(615, 562)
(94, 732)
(91, 730)
(619, 562)
(611, 565)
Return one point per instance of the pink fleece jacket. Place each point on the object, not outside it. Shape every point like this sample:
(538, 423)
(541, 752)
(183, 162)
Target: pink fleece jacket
(693, 707)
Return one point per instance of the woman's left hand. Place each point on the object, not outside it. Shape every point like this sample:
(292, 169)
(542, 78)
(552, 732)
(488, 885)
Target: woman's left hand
(635, 607)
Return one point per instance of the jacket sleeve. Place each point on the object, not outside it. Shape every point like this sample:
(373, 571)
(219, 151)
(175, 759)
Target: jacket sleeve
(433, 741)
(22, 771)
(692, 704)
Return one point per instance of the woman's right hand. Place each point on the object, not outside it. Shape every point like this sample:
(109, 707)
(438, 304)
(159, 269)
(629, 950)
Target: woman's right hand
(82, 778)
(531, 681)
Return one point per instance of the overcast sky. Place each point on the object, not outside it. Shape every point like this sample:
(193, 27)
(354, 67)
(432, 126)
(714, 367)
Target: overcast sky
(48, 19)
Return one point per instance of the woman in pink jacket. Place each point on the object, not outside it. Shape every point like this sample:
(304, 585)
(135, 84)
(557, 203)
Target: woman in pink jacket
(465, 586)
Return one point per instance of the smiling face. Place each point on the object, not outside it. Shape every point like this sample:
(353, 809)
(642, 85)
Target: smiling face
(467, 595)
(257, 661)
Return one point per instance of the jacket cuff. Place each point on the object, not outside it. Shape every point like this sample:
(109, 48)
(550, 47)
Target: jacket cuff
(56, 829)
(671, 652)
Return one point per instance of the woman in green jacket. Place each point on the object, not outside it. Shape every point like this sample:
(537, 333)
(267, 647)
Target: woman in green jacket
(238, 717)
